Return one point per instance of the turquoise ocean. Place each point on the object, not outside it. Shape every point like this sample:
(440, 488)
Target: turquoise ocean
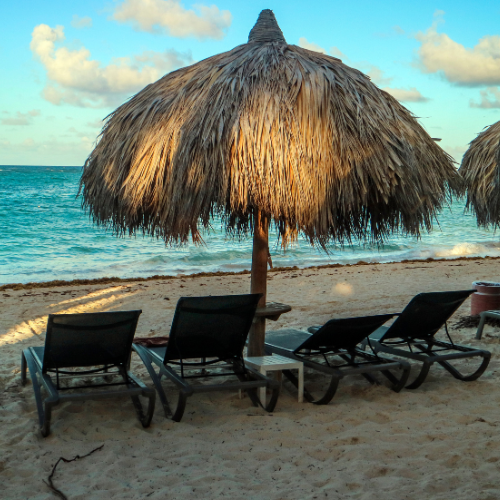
(47, 236)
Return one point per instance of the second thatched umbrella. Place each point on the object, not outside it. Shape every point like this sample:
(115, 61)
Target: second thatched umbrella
(480, 169)
(266, 133)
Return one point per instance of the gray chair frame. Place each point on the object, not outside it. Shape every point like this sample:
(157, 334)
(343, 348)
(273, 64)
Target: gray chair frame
(494, 314)
(43, 366)
(174, 360)
(412, 336)
(336, 342)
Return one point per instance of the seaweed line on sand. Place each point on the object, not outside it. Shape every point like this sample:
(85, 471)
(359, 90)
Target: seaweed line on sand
(108, 280)
(473, 322)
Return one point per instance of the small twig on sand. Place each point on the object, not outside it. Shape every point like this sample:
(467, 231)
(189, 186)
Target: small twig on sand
(50, 484)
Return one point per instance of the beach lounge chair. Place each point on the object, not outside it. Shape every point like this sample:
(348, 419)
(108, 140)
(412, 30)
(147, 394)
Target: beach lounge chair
(333, 350)
(412, 335)
(85, 346)
(206, 341)
(493, 314)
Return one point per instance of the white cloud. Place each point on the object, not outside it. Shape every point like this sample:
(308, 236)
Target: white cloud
(476, 66)
(15, 121)
(28, 143)
(335, 52)
(378, 76)
(51, 151)
(74, 78)
(305, 44)
(374, 72)
(20, 118)
(95, 124)
(170, 17)
(490, 98)
(395, 31)
(81, 22)
(456, 152)
(407, 95)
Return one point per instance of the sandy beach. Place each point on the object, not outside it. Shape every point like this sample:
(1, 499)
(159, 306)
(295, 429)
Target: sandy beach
(439, 441)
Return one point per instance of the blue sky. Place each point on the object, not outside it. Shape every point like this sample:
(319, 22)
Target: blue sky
(67, 65)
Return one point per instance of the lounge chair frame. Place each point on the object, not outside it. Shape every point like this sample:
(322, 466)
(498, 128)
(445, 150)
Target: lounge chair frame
(197, 357)
(43, 365)
(422, 318)
(337, 345)
(493, 314)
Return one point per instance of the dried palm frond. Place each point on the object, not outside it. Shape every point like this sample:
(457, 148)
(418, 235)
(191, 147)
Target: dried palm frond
(267, 126)
(480, 170)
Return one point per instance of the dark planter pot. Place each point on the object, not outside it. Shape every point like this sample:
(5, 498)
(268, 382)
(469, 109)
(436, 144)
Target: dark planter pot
(486, 297)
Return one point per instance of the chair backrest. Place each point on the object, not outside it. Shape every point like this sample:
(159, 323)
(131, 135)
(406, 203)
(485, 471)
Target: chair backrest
(425, 314)
(211, 327)
(344, 333)
(89, 339)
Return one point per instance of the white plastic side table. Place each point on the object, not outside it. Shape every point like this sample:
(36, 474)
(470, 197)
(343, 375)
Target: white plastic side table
(265, 364)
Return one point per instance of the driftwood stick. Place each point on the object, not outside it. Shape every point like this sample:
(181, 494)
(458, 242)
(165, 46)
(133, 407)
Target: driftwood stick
(50, 484)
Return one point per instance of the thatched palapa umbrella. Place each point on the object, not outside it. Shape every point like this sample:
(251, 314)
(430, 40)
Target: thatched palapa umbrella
(480, 169)
(266, 133)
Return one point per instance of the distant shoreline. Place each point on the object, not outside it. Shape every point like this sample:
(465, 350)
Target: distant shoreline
(107, 280)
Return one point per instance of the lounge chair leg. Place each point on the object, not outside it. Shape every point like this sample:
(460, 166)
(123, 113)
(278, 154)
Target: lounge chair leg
(482, 321)
(177, 414)
(23, 369)
(35, 382)
(269, 407)
(156, 378)
(254, 398)
(473, 376)
(327, 397)
(398, 384)
(253, 395)
(426, 366)
(138, 408)
(181, 406)
(45, 425)
(151, 395)
(371, 379)
(143, 419)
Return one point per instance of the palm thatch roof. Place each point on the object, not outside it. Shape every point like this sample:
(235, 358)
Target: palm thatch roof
(296, 134)
(480, 169)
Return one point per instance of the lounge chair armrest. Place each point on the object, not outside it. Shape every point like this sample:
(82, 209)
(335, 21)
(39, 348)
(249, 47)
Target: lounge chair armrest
(314, 328)
(49, 386)
(176, 379)
(137, 381)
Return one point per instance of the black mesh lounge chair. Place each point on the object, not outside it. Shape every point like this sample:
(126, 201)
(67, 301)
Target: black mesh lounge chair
(100, 343)
(412, 335)
(206, 341)
(333, 350)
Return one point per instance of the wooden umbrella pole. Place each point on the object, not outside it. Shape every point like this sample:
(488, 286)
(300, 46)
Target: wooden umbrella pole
(258, 284)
